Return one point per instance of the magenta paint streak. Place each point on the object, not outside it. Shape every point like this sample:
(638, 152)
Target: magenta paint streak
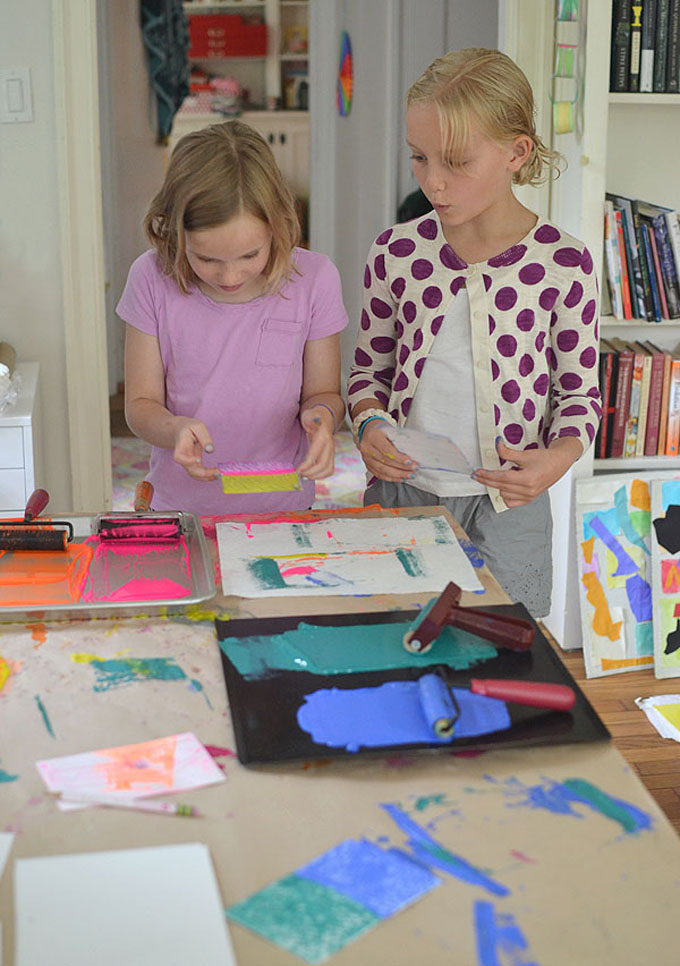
(129, 569)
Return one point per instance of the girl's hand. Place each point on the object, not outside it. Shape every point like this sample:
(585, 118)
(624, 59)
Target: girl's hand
(535, 470)
(320, 459)
(192, 439)
(381, 458)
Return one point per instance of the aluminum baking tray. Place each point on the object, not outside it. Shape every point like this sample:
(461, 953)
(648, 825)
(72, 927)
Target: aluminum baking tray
(96, 577)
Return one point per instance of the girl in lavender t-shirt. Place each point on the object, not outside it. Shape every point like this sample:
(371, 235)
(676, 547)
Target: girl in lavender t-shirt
(232, 347)
(480, 324)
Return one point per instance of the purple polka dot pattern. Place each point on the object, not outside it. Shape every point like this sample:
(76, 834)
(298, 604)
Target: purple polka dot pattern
(428, 229)
(525, 320)
(505, 298)
(397, 287)
(402, 248)
(532, 274)
(507, 345)
(421, 268)
(540, 338)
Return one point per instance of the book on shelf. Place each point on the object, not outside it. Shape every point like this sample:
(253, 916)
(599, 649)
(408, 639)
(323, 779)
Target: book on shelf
(651, 269)
(619, 417)
(620, 53)
(658, 273)
(609, 364)
(644, 396)
(635, 44)
(655, 215)
(673, 427)
(673, 56)
(633, 418)
(611, 248)
(647, 47)
(634, 265)
(665, 393)
(654, 393)
(623, 262)
(661, 45)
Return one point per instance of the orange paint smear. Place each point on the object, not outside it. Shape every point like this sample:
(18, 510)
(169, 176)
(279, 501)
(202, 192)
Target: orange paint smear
(149, 762)
(670, 577)
(587, 548)
(611, 665)
(38, 633)
(602, 621)
(639, 495)
(43, 578)
(294, 516)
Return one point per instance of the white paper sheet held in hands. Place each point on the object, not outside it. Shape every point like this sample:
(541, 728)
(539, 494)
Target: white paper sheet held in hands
(132, 907)
(429, 450)
(351, 555)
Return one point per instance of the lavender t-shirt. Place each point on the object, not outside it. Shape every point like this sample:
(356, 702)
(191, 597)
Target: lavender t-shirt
(238, 368)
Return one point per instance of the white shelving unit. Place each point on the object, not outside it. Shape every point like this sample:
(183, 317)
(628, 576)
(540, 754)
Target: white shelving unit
(19, 444)
(639, 159)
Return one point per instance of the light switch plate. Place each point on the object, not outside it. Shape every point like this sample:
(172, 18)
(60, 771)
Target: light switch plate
(15, 95)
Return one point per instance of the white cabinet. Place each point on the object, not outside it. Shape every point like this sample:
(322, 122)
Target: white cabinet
(19, 447)
(287, 132)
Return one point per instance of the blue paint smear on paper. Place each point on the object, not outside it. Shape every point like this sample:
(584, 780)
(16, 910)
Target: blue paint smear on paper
(639, 597)
(500, 941)
(384, 881)
(472, 553)
(391, 714)
(560, 798)
(644, 639)
(670, 494)
(626, 564)
(625, 522)
(608, 517)
(433, 854)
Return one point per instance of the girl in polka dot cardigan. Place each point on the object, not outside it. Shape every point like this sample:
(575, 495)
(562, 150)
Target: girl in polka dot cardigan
(490, 313)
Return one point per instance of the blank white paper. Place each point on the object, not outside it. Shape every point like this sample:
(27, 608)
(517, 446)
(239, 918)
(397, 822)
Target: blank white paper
(133, 907)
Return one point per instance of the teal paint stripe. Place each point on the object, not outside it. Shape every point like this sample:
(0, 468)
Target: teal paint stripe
(266, 571)
(45, 716)
(410, 562)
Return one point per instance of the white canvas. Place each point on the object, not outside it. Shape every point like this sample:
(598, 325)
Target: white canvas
(137, 907)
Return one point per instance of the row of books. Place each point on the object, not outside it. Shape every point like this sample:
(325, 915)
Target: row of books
(645, 54)
(640, 386)
(642, 259)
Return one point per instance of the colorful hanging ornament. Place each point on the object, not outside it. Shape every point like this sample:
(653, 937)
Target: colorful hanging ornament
(345, 76)
(565, 83)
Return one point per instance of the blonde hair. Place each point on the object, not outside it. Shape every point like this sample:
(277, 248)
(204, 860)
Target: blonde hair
(214, 175)
(488, 87)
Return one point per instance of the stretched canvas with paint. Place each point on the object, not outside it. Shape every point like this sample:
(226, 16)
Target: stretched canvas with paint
(367, 555)
(665, 538)
(613, 533)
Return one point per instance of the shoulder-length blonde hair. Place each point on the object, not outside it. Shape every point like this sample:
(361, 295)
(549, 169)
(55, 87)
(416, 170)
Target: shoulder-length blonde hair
(215, 174)
(488, 87)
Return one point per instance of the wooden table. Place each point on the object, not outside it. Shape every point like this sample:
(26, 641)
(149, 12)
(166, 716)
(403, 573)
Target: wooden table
(581, 887)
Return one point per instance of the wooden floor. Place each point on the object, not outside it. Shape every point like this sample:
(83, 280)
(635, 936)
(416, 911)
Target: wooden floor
(655, 759)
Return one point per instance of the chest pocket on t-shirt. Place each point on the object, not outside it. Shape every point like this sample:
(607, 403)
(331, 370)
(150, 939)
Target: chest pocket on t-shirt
(279, 343)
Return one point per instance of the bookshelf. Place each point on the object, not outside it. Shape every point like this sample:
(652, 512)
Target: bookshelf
(636, 155)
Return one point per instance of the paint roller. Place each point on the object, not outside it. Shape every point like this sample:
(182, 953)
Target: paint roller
(150, 527)
(441, 709)
(444, 611)
(32, 533)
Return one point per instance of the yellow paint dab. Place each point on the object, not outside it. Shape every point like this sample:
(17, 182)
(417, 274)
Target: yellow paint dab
(639, 495)
(671, 712)
(616, 665)
(602, 622)
(5, 671)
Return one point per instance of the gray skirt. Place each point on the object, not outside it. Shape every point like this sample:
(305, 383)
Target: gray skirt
(516, 545)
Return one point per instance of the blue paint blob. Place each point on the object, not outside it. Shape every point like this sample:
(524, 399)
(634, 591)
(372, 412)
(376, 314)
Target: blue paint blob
(500, 941)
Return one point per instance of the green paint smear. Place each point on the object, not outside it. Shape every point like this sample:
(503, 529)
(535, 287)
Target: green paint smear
(630, 818)
(422, 803)
(642, 521)
(6, 777)
(310, 920)
(44, 714)
(301, 535)
(443, 532)
(266, 571)
(120, 671)
(344, 650)
(410, 562)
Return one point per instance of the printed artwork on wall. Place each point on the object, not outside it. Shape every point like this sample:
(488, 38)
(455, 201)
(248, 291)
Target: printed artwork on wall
(665, 539)
(613, 532)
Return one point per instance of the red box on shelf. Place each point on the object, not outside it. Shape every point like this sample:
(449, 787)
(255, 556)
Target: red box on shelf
(226, 35)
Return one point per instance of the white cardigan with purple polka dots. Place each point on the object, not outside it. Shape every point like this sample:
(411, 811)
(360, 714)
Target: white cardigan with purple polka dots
(533, 317)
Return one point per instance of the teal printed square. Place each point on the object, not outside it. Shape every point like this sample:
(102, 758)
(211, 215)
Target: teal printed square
(304, 917)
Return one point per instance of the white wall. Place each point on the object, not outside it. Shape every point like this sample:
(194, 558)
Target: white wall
(132, 161)
(31, 316)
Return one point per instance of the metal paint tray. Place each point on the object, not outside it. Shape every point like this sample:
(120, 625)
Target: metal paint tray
(97, 578)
